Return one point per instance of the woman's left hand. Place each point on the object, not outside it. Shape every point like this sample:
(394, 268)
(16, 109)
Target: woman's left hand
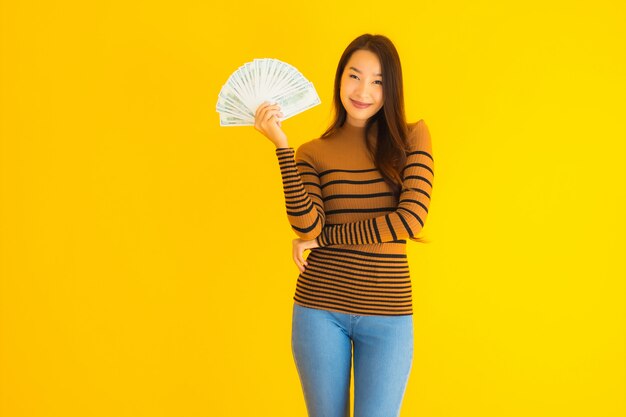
(299, 246)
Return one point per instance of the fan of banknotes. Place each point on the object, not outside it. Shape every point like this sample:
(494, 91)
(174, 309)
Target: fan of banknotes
(264, 79)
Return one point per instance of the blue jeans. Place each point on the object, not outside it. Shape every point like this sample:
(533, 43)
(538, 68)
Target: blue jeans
(322, 343)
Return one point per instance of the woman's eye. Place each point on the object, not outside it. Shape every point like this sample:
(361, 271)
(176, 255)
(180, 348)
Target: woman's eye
(356, 78)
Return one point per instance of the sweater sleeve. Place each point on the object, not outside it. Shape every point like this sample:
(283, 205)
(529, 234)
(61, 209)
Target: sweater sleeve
(303, 193)
(409, 217)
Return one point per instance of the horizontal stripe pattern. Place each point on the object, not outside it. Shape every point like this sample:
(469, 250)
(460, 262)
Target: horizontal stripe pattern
(341, 199)
(407, 220)
(303, 198)
(356, 281)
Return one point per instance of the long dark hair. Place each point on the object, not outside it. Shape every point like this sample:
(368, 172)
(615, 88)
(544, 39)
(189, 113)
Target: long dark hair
(389, 155)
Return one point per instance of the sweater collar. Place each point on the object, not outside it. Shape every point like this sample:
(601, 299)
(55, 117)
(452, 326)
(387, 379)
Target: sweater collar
(353, 132)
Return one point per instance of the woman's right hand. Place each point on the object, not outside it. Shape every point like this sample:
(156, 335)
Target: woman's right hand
(266, 121)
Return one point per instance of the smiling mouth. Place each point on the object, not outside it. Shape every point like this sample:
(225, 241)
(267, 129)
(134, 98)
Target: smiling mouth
(359, 104)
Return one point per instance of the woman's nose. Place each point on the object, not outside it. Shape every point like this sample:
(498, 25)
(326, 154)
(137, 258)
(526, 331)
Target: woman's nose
(363, 90)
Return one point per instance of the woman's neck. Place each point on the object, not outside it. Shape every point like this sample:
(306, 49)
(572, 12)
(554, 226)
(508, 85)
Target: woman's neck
(350, 130)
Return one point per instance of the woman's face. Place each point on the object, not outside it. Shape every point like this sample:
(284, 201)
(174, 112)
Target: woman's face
(361, 88)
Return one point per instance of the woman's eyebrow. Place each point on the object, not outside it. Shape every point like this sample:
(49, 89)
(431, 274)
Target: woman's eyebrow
(361, 73)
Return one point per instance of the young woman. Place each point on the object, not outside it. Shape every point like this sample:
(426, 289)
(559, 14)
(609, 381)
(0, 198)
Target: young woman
(354, 196)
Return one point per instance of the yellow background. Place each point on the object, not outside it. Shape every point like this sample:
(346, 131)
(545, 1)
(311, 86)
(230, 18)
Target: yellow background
(145, 252)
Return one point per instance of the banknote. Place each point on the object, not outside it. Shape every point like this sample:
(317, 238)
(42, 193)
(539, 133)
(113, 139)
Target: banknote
(264, 79)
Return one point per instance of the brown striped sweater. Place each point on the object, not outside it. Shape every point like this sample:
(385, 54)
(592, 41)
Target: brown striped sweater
(335, 194)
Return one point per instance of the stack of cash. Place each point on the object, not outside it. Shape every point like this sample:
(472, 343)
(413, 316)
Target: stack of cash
(264, 79)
